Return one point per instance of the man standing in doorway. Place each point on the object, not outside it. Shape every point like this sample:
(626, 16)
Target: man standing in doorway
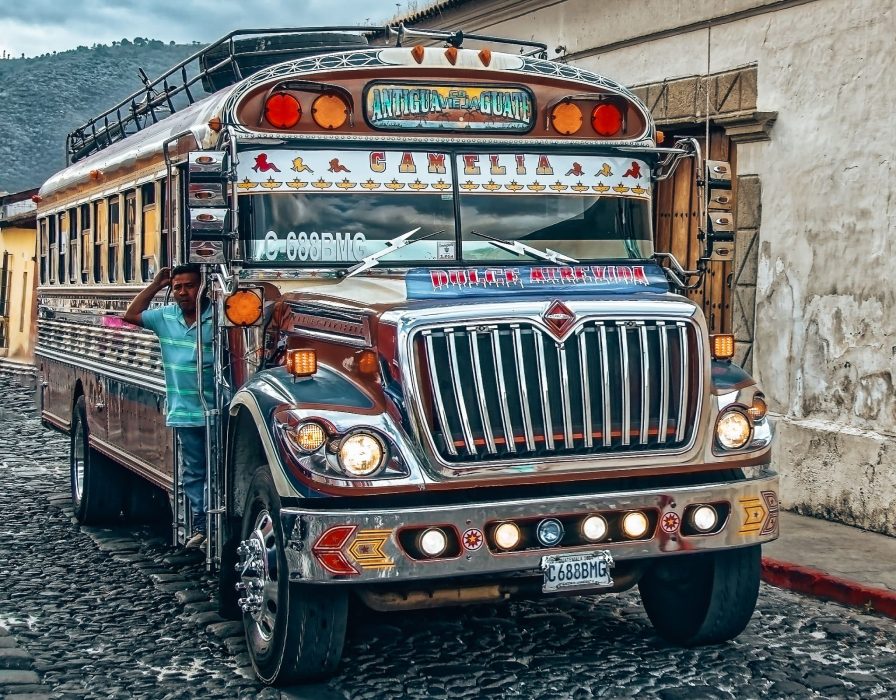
(176, 326)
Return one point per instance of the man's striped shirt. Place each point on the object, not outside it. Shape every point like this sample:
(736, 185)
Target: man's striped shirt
(178, 342)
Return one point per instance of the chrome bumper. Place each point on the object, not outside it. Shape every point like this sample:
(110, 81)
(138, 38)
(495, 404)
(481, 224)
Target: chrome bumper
(373, 548)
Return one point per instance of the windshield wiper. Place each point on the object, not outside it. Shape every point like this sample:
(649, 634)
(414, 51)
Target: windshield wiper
(523, 249)
(396, 243)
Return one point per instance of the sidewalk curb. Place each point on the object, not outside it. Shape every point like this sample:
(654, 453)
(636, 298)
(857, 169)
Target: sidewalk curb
(813, 582)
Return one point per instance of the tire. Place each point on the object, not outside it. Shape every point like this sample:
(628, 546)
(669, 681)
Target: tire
(97, 496)
(702, 598)
(296, 631)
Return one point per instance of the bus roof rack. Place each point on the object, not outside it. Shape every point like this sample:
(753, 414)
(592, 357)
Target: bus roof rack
(234, 57)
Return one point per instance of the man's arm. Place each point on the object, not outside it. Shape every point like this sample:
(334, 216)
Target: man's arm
(142, 301)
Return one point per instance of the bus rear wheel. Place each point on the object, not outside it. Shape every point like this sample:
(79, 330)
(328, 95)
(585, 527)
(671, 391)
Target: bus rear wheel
(700, 599)
(95, 480)
(295, 632)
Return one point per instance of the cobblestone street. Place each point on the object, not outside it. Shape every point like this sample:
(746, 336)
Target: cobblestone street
(101, 613)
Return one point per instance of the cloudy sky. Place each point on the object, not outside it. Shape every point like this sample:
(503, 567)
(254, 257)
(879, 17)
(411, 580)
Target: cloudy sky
(34, 27)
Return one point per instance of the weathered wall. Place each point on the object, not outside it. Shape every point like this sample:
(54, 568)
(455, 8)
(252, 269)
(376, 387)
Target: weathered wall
(20, 243)
(825, 336)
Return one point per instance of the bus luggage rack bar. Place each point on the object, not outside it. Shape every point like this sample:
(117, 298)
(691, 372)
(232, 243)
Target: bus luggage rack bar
(508, 391)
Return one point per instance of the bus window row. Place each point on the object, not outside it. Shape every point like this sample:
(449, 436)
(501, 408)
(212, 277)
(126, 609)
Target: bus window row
(119, 239)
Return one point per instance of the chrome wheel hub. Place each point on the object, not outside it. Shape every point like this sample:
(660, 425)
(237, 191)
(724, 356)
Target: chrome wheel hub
(258, 575)
(78, 463)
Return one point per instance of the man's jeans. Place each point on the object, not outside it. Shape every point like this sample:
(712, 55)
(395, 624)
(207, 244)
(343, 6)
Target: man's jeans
(191, 456)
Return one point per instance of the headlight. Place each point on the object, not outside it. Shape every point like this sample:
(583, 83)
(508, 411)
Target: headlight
(361, 454)
(733, 430)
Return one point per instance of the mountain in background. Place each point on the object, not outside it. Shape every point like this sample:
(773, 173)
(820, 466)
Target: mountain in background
(43, 98)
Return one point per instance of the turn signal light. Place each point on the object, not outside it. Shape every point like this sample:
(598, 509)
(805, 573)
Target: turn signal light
(758, 408)
(329, 111)
(282, 110)
(606, 119)
(722, 346)
(367, 362)
(301, 362)
(244, 307)
(566, 118)
(310, 437)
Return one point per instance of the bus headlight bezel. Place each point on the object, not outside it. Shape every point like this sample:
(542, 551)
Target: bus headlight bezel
(734, 429)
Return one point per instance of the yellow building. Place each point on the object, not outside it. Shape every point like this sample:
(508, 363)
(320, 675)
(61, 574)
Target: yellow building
(17, 283)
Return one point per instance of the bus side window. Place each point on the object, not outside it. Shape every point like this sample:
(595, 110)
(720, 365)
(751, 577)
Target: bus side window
(54, 249)
(149, 255)
(130, 237)
(165, 252)
(74, 258)
(86, 231)
(44, 251)
(61, 268)
(114, 236)
(100, 232)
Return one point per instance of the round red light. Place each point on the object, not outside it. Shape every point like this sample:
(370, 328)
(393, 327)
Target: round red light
(606, 119)
(282, 110)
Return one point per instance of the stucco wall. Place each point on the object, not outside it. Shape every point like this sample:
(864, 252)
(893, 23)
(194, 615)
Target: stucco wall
(825, 337)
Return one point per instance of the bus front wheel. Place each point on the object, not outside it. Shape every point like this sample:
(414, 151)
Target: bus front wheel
(97, 496)
(295, 632)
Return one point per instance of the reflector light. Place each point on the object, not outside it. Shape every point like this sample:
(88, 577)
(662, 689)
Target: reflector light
(704, 518)
(282, 110)
(336, 563)
(634, 524)
(418, 52)
(244, 307)
(722, 346)
(507, 535)
(433, 542)
(566, 118)
(594, 528)
(309, 437)
(606, 119)
(759, 408)
(329, 111)
(334, 538)
(301, 362)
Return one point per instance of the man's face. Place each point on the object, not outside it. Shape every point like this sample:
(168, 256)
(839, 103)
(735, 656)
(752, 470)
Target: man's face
(185, 287)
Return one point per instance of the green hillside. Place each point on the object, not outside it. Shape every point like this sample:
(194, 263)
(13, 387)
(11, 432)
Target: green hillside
(43, 98)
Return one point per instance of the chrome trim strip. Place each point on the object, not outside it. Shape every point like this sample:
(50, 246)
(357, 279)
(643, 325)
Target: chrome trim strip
(587, 428)
(478, 385)
(502, 384)
(604, 392)
(104, 370)
(544, 389)
(565, 401)
(524, 391)
(626, 388)
(440, 407)
(663, 423)
(645, 386)
(454, 369)
(683, 401)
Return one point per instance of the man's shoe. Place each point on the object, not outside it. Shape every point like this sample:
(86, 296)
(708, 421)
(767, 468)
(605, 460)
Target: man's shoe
(196, 541)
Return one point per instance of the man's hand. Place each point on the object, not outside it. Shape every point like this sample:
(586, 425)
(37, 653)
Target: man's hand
(162, 278)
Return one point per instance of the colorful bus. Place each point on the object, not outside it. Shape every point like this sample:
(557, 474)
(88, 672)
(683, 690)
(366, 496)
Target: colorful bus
(450, 365)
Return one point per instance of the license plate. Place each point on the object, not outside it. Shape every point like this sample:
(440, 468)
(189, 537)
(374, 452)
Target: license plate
(564, 572)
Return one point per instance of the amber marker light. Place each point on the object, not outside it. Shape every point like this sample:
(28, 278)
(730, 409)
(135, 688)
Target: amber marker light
(282, 110)
(758, 408)
(243, 307)
(301, 362)
(310, 437)
(214, 124)
(606, 119)
(329, 111)
(566, 118)
(722, 346)
(367, 363)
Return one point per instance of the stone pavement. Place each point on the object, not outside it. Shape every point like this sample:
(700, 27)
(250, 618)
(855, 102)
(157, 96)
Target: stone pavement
(833, 561)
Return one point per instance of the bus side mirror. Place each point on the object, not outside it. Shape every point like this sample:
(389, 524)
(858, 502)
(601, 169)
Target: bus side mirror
(720, 218)
(209, 220)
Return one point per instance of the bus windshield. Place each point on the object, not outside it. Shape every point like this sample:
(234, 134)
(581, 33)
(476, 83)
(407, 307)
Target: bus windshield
(314, 208)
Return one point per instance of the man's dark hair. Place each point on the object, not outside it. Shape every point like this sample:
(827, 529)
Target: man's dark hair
(186, 269)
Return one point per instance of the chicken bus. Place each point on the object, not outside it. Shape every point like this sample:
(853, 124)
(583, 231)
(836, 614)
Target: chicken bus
(450, 366)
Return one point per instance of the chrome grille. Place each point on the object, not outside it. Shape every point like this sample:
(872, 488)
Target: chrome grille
(511, 390)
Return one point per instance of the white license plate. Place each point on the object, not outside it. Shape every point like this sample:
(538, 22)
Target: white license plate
(563, 572)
